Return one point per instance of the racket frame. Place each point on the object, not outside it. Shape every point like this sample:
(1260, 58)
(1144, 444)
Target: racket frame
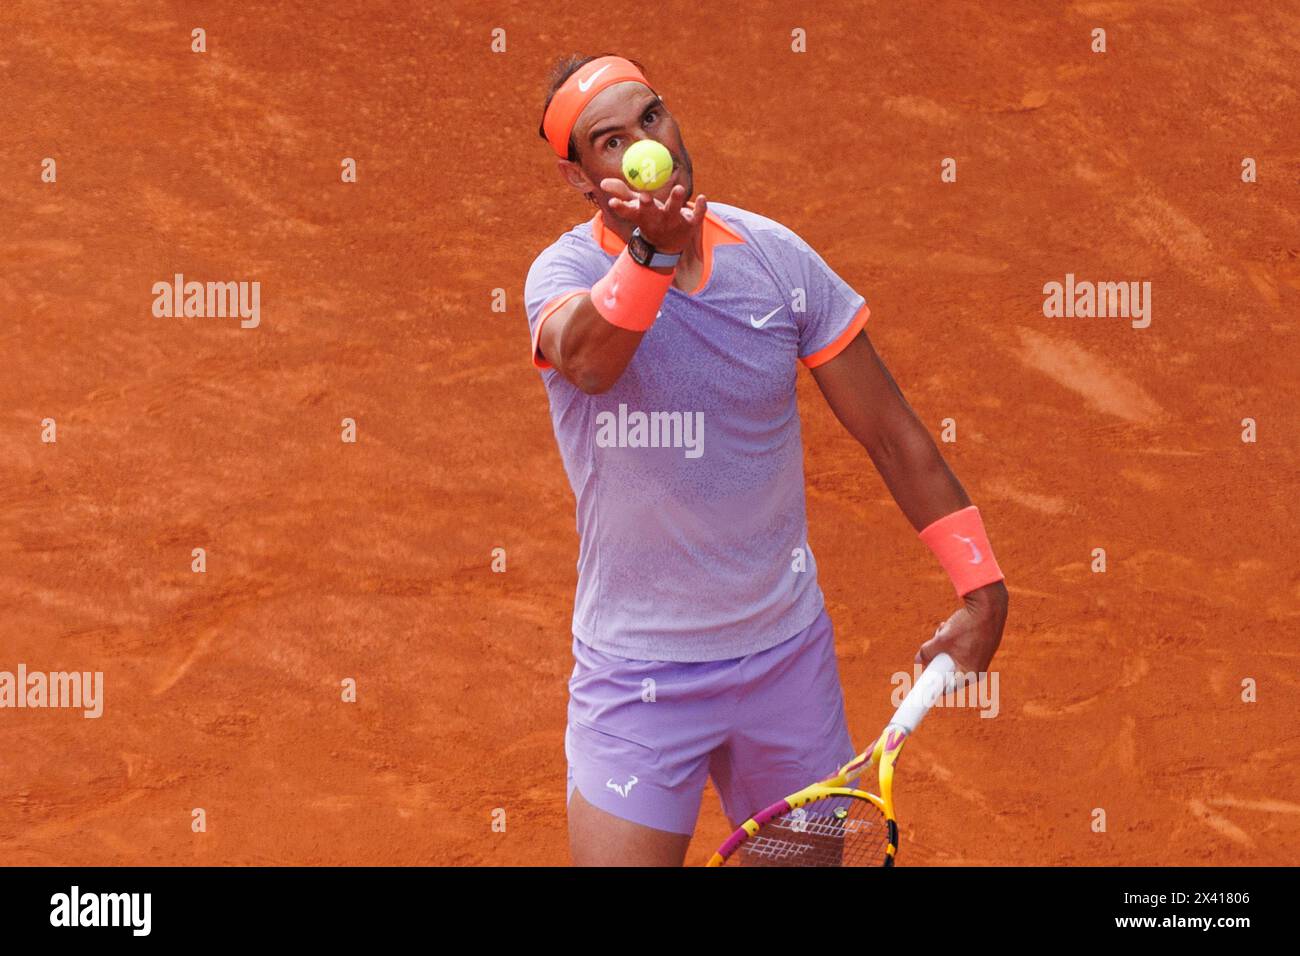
(834, 786)
(883, 753)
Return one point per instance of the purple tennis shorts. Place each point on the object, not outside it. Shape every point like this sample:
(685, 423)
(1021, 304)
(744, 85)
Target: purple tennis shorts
(643, 736)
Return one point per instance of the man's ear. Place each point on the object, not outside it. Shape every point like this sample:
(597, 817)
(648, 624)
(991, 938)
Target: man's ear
(573, 175)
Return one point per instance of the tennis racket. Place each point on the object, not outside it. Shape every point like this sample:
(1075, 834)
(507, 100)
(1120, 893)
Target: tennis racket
(831, 823)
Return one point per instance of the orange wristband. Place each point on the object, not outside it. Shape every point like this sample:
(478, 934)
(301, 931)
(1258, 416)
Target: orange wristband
(629, 295)
(960, 543)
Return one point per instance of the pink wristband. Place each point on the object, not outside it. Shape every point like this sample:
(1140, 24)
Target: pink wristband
(959, 542)
(629, 295)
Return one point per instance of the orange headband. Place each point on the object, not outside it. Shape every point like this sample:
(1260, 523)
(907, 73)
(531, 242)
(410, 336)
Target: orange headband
(580, 89)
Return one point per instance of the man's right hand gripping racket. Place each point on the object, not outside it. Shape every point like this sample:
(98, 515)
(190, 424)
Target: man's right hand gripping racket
(830, 823)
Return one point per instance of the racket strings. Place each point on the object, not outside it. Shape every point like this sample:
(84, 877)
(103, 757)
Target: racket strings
(832, 831)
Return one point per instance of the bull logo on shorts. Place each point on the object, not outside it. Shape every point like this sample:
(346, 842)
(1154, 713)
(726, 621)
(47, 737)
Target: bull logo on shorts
(624, 789)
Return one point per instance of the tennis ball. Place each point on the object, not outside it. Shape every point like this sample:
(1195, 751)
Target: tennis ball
(647, 165)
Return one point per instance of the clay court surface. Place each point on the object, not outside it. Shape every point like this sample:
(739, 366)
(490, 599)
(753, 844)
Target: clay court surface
(327, 560)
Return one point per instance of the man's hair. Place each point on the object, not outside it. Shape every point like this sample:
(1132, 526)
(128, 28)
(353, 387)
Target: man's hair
(561, 70)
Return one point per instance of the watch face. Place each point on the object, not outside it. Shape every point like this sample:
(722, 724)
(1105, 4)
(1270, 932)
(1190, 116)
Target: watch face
(640, 249)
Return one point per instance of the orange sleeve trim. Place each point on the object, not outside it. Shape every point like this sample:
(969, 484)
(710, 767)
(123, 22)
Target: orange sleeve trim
(822, 356)
(548, 310)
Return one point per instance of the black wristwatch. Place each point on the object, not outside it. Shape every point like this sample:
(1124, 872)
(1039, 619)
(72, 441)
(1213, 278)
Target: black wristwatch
(644, 254)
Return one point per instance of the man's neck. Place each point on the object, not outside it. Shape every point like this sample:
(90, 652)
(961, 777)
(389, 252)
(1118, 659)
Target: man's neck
(692, 255)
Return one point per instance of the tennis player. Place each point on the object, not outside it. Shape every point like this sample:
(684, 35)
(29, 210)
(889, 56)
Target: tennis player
(669, 334)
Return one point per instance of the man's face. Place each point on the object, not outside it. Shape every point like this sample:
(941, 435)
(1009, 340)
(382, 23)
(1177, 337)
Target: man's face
(618, 117)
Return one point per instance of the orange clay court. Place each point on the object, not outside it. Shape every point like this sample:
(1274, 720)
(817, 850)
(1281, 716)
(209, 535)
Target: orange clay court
(372, 560)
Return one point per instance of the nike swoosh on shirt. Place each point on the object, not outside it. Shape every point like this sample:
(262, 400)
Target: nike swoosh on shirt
(759, 323)
(585, 85)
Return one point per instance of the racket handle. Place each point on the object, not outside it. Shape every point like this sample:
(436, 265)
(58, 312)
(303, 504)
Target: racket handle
(936, 681)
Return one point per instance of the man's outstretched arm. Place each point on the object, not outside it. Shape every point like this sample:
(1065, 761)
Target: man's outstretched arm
(591, 338)
(866, 400)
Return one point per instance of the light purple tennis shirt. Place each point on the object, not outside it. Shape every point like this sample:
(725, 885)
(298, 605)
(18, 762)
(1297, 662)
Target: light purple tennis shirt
(688, 473)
